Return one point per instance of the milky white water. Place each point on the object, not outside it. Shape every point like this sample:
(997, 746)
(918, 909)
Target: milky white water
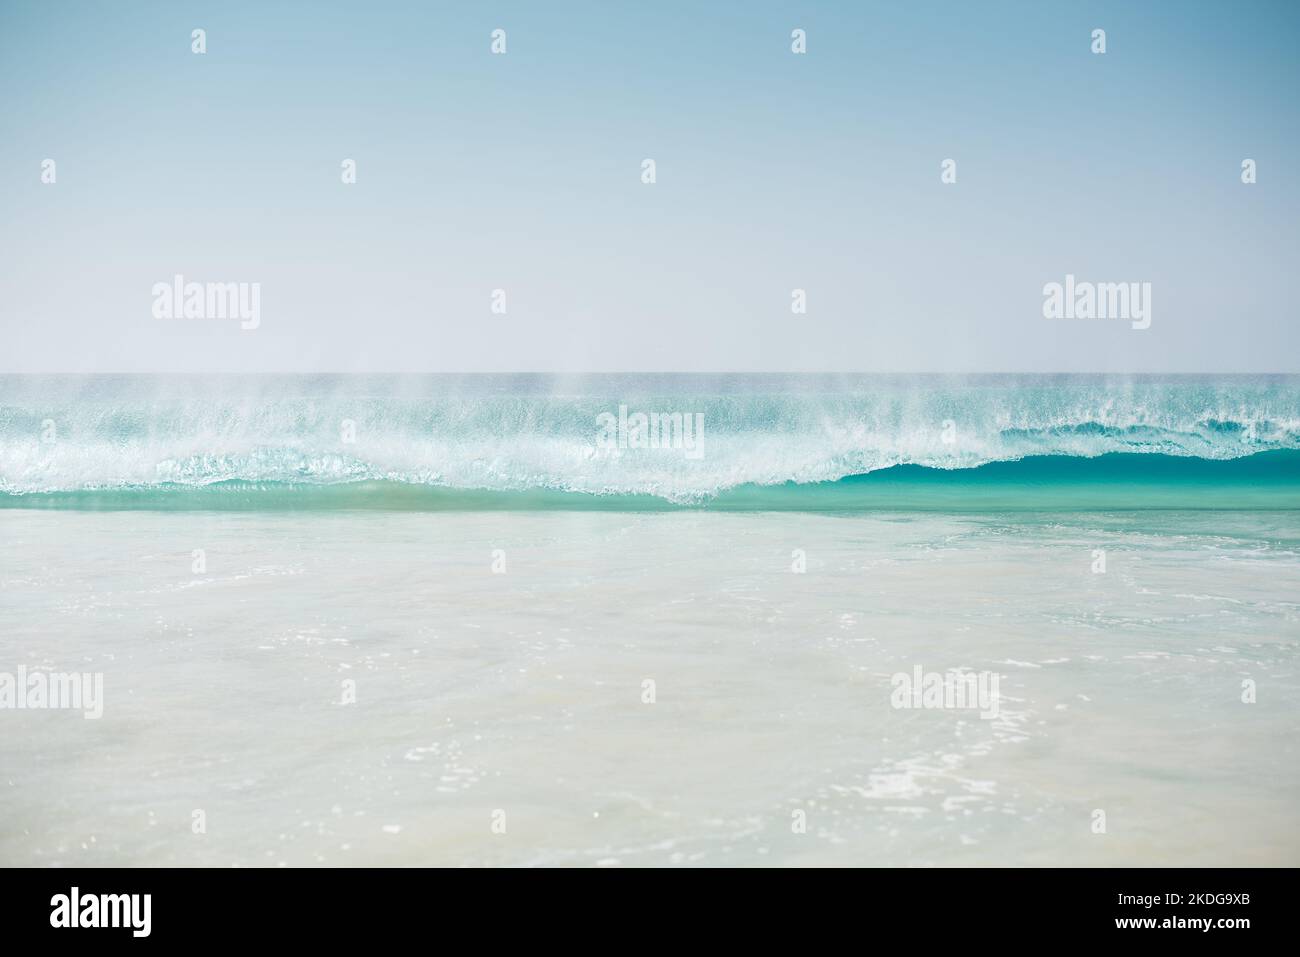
(522, 692)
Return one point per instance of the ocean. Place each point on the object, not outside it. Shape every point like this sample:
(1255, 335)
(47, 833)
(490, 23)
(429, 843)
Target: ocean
(505, 620)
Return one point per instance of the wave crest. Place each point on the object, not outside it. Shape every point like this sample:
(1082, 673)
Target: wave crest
(490, 435)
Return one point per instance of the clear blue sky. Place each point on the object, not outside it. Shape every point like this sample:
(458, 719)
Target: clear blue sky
(775, 171)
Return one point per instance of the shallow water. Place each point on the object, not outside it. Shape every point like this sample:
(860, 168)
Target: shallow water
(521, 692)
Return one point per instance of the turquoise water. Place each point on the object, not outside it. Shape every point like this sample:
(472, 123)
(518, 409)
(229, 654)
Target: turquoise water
(779, 442)
(1265, 480)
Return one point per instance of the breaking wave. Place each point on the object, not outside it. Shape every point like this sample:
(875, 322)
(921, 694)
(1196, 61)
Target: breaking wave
(125, 435)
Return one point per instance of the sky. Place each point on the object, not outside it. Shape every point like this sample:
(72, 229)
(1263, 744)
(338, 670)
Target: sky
(522, 172)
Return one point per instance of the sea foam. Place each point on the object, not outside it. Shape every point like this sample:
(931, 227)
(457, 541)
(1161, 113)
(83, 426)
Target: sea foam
(517, 433)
